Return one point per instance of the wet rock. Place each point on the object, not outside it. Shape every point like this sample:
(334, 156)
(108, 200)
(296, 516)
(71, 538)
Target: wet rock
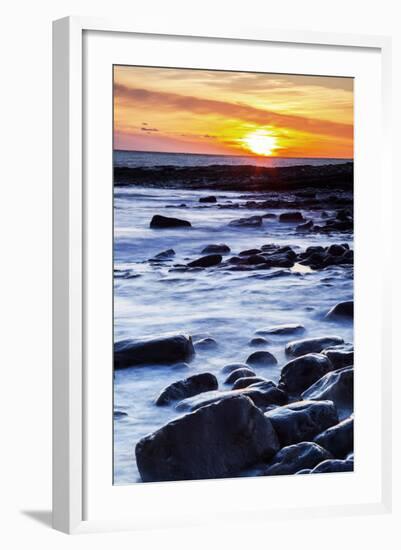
(193, 385)
(239, 373)
(300, 373)
(291, 217)
(332, 466)
(336, 250)
(340, 356)
(255, 259)
(282, 330)
(163, 222)
(247, 381)
(304, 227)
(302, 420)
(292, 459)
(210, 198)
(258, 342)
(206, 343)
(250, 252)
(253, 221)
(338, 386)
(165, 255)
(311, 345)
(220, 248)
(261, 358)
(342, 310)
(216, 441)
(119, 414)
(270, 248)
(269, 216)
(303, 471)
(339, 439)
(233, 366)
(166, 349)
(206, 261)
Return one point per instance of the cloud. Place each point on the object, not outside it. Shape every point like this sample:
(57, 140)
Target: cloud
(238, 111)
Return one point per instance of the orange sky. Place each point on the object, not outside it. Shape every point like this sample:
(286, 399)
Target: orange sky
(234, 113)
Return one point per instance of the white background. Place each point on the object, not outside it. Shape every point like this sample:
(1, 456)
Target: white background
(25, 457)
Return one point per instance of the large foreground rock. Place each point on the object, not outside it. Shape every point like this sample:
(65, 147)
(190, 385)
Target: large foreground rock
(311, 345)
(168, 349)
(300, 373)
(216, 441)
(303, 420)
(163, 222)
(338, 386)
(192, 385)
(339, 439)
(293, 458)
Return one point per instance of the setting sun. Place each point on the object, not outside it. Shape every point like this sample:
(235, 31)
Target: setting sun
(260, 142)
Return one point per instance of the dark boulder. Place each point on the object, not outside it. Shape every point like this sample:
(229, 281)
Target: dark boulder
(333, 466)
(253, 221)
(167, 349)
(340, 356)
(338, 439)
(261, 358)
(220, 248)
(250, 252)
(206, 261)
(282, 330)
(300, 373)
(311, 345)
(210, 198)
(343, 310)
(119, 414)
(302, 420)
(338, 386)
(163, 222)
(239, 373)
(291, 217)
(216, 441)
(246, 381)
(292, 459)
(336, 250)
(193, 385)
(233, 366)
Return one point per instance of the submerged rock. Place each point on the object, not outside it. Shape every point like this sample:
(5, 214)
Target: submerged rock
(338, 439)
(210, 198)
(311, 345)
(165, 255)
(261, 358)
(119, 414)
(162, 222)
(300, 373)
(206, 343)
(282, 329)
(304, 227)
(303, 420)
(343, 310)
(206, 261)
(291, 217)
(239, 373)
(216, 441)
(338, 386)
(167, 349)
(294, 458)
(220, 248)
(253, 221)
(233, 366)
(193, 385)
(332, 466)
(258, 342)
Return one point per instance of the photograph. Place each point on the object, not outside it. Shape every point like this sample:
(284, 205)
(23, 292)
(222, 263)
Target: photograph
(233, 286)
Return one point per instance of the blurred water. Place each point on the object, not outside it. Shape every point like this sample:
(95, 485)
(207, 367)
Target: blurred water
(229, 306)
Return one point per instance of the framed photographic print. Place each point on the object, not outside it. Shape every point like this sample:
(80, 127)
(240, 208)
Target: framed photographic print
(219, 330)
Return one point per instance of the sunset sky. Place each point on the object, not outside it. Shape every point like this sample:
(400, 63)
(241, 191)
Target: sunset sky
(232, 113)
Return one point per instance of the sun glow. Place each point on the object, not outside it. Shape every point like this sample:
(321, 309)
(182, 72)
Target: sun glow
(260, 142)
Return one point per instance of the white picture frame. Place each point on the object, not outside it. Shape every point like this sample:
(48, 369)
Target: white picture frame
(70, 258)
